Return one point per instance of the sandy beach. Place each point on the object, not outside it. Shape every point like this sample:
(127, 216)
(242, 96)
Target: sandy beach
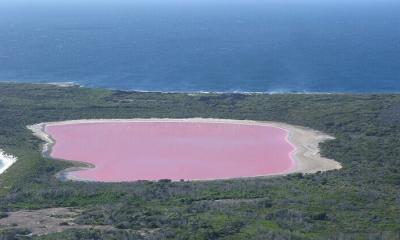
(305, 141)
(6, 161)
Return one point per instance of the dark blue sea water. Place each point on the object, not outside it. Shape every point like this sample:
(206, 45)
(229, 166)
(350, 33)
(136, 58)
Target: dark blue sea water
(194, 45)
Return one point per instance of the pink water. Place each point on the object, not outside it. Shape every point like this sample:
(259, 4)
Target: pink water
(129, 151)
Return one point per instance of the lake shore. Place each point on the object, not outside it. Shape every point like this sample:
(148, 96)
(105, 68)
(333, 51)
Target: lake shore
(306, 156)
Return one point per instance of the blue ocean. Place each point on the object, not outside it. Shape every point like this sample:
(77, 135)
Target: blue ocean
(195, 45)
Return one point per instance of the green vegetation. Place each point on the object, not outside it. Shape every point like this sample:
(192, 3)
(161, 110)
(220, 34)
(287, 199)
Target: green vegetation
(361, 201)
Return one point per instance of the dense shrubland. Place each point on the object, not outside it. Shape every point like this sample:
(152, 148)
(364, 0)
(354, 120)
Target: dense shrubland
(361, 201)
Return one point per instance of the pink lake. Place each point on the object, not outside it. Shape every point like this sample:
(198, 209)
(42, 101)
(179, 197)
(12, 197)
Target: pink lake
(130, 151)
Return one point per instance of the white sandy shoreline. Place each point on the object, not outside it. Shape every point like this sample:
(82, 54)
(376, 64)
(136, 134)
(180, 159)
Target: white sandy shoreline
(305, 140)
(6, 160)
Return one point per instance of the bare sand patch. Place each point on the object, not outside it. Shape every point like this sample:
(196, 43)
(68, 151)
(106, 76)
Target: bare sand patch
(45, 221)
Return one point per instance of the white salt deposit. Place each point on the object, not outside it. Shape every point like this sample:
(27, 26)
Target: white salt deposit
(6, 160)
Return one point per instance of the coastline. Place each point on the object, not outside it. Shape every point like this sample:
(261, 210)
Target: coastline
(306, 156)
(68, 84)
(6, 161)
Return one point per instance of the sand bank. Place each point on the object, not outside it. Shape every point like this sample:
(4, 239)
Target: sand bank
(305, 141)
(6, 161)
